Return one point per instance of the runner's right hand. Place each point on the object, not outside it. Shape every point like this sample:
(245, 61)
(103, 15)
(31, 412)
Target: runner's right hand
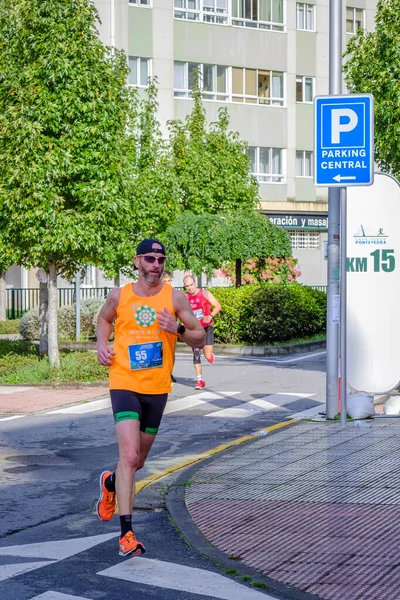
(104, 355)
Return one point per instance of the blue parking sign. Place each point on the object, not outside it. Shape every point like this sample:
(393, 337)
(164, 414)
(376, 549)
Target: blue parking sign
(344, 140)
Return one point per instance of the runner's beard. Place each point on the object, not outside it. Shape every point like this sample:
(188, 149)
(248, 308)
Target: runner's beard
(152, 278)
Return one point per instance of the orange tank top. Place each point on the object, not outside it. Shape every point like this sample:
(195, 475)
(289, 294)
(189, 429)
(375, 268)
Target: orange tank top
(144, 353)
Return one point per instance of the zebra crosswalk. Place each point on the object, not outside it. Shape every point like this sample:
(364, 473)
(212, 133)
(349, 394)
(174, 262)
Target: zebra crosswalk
(219, 404)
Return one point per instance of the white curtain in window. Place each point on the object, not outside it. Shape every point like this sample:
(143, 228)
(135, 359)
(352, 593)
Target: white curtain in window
(277, 11)
(308, 89)
(309, 17)
(308, 170)
(264, 162)
(179, 76)
(300, 16)
(252, 152)
(132, 79)
(264, 10)
(208, 78)
(299, 164)
(276, 161)
(221, 79)
(277, 85)
(144, 71)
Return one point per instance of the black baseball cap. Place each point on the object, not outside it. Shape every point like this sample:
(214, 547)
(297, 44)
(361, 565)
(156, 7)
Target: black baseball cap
(146, 246)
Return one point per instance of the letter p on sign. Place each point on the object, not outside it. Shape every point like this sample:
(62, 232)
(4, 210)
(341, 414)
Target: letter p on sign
(342, 120)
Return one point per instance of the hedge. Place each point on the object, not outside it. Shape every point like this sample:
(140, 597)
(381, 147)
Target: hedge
(267, 313)
(89, 310)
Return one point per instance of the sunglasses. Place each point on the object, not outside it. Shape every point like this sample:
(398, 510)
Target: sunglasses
(152, 259)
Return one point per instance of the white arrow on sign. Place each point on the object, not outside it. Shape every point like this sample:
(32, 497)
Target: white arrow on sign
(340, 178)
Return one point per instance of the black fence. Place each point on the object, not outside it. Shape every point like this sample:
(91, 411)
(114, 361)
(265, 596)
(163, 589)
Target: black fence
(20, 300)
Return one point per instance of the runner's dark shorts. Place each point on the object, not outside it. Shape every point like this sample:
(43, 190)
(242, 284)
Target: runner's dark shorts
(146, 408)
(209, 331)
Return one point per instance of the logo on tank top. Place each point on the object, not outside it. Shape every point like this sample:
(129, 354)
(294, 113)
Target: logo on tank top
(144, 315)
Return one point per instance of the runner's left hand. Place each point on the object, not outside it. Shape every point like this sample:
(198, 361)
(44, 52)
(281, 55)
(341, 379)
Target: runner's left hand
(166, 321)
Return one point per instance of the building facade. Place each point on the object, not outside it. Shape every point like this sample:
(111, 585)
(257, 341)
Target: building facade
(263, 59)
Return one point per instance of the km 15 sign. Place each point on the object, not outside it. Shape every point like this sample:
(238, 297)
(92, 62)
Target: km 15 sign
(344, 140)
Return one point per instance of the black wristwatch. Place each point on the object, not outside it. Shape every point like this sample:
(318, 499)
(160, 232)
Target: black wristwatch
(181, 329)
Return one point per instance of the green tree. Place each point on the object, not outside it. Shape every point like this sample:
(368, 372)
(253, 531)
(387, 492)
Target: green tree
(211, 164)
(204, 243)
(65, 125)
(373, 66)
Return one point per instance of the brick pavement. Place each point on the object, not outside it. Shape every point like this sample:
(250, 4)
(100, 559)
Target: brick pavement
(313, 506)
(25, 399)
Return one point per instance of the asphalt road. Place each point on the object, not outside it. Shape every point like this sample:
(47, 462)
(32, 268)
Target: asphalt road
(50, 464)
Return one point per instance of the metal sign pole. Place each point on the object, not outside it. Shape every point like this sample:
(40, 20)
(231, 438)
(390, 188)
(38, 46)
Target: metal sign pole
(343, 306)
(332, 328)
(78, 306)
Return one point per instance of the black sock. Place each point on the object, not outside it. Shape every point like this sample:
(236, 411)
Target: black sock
(110, 482)
(126, 524)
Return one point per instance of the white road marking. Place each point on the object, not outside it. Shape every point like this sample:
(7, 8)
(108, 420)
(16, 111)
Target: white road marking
(195, 400)
(271, 360)
(173, 576)
(8, 571)
(8, 389)
(11, 418)
(80, 409)
(264, 404)
(57, 596)
(57, 549)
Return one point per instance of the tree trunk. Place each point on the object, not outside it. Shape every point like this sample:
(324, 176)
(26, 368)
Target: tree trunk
(43, 318)
(238, 272)
(54, 357)
(3, 297)
(117, 280)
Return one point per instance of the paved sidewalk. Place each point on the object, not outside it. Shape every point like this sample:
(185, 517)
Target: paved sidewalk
(313, 506)
(25, 399)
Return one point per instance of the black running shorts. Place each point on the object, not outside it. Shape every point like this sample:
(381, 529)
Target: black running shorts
(146, 408)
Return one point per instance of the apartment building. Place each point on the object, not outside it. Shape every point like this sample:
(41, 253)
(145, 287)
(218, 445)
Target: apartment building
(263, 59)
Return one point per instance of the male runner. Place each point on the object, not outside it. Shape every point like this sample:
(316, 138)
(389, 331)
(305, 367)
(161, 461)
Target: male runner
(205, 306)
(140, 367)
(167, 277)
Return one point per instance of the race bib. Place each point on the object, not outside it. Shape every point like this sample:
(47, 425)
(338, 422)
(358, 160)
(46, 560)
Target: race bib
(145, 356)
(198, 313)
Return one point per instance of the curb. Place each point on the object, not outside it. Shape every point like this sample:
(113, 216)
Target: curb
(181, 519)
(227, 350)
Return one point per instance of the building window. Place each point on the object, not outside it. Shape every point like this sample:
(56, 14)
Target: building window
(354, 19)
(304, 239)
(213, 80)
(254, 86)
(266, 164)
(139, 2)
(264, 14)
(305, 16)
(209, 11)
(139, 71)
(304, 163)
(304, 89)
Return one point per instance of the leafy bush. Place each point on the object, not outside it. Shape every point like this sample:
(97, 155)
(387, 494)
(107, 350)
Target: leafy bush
(29, 325)
(90, 308)
(89, 312)
(268, 313)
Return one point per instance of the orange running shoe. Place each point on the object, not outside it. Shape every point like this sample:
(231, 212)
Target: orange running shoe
(128, 545)
(107, 500)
